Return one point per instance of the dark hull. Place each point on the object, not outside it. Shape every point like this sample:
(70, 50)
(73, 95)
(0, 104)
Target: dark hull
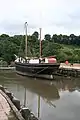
(43, 70)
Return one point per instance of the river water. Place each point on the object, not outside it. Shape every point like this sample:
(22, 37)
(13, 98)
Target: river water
(48, 100)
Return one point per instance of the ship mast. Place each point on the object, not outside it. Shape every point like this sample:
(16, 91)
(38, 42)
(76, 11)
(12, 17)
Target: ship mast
(26, 47)
(40, 44)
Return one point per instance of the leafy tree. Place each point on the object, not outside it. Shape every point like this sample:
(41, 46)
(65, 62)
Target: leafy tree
(50, 50)
(36, 34)
(47, 37)
(55, 38)
(4, 37)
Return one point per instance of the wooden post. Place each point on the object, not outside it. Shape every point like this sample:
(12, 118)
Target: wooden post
(40, 44)
(26, 50)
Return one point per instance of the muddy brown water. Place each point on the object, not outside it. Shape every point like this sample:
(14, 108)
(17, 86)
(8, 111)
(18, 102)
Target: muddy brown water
(49, 100)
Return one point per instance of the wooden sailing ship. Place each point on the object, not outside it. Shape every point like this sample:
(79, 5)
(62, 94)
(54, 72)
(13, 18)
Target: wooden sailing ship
(37, 67)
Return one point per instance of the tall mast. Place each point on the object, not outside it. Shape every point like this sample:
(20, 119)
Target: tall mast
(26, 48)
(40, 44)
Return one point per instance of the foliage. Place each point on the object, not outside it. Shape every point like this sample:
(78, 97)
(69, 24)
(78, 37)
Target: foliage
(63, 46)
(3, 63)
(47, 37)
(36, 34)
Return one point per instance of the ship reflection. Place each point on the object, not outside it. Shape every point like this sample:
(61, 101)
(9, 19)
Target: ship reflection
(51, 91)
(44, 90)
(70, 85)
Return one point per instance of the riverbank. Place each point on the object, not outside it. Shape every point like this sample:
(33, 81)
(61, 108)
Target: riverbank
(70, 66)
(69, 69)
(7, 108)
(10, 107)
(7, 68)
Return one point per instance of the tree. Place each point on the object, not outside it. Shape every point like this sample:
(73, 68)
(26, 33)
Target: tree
(47, 37)
(55, 38)
(62, 56)
(73, 39)
(51, 49)
(8, 51)
(65, 39)
(34, 39)
(36, 34)
(4, 37)
(17, 39)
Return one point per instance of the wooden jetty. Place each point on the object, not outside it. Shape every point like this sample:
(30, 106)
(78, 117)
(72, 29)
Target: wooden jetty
(69, 69)
(10, 108)
(7, 108)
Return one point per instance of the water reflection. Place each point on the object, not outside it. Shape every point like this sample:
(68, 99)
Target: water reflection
(44, 89)
(59, 100)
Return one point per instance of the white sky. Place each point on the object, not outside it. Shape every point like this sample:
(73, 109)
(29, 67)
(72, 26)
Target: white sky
(53, 16)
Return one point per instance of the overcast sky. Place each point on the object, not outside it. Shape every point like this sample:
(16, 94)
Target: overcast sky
(53, 16)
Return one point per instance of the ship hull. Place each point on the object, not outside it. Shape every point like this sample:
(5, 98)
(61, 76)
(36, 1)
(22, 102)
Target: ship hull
(43, 70)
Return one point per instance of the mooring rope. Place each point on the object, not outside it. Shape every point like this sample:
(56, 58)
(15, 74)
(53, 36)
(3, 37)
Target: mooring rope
(40, 71)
